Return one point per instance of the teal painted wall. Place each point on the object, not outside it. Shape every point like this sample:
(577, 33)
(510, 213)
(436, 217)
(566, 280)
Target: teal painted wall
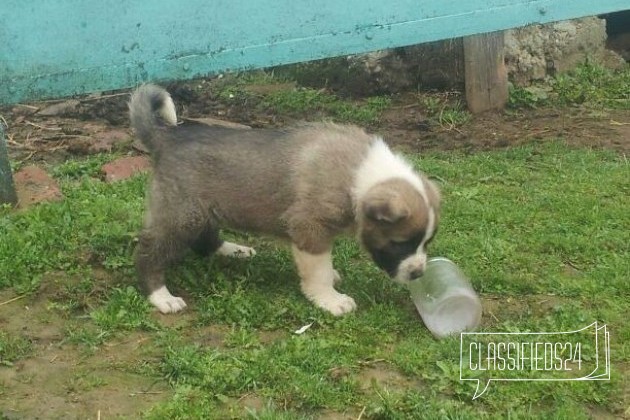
(54, 48)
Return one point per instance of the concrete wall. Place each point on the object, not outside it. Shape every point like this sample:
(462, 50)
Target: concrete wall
(532, 53)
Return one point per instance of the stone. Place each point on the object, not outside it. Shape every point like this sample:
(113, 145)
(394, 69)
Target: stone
(60, 108)
(437, 64)
(125, 167)
(34, 185)
(532, 53)
(538, 51)
(100, 141)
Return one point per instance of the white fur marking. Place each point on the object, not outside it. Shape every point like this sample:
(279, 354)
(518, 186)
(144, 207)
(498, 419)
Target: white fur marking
(430, 228)
(318, 277)
(380, 165)
(167, 112)
(165, 302)
(418, 260)
(230, 249)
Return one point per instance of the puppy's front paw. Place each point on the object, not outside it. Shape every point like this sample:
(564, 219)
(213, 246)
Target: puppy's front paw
(234, 250)
(337, 304)
(165, 302)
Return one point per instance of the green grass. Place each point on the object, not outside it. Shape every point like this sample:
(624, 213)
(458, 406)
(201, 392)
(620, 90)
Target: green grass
(13, 347)
(538, 222)
(587, 85)
(297, 102)
(445, 113)
(305, 101)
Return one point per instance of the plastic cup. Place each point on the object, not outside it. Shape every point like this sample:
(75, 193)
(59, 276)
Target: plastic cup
(445, 299)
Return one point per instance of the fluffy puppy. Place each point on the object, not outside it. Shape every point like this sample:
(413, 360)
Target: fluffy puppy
(306, 184)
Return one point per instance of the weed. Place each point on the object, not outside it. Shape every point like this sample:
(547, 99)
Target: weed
(528, 97)
(87, 336)
(301, 102)
(448, 114)
(270, 93)
(187, 403)
(13, 348)
(125, 310)
(79, 168)
(594, 85)
(84, 381)
(588, 84)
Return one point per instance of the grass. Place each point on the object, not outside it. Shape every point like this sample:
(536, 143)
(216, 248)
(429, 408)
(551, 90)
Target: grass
(13, 347)
(541, 230)
(297, 102)
(446, 113)
(588, 84)
(543, 222)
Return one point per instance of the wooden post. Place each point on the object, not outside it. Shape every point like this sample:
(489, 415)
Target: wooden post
(486, 75)
(7, 189)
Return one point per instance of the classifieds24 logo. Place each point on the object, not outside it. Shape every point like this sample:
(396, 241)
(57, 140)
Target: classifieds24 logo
(580, 355)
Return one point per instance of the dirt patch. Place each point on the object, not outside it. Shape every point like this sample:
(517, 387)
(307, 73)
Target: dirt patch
(58, 380)
(125, 167)
(498, 309)
(384, 377)
(33, 185)
(59, 383)
(405, 125)
(103, 122)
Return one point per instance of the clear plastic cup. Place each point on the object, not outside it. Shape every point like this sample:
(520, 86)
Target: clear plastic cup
(445, 299)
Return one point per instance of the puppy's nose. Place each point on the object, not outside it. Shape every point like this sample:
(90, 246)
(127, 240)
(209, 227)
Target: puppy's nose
(416, 273)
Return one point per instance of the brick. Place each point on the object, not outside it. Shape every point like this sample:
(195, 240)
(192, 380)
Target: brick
(34, 185)
(125, 167)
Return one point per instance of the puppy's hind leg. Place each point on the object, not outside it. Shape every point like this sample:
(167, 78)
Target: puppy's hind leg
(230, 249)
(208, 242)
(318, 277)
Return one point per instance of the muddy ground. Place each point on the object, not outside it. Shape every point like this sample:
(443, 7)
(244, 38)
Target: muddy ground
(62, 381)
(99, 123)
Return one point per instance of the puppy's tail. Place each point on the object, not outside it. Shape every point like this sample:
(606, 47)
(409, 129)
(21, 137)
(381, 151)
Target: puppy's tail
(151, 109)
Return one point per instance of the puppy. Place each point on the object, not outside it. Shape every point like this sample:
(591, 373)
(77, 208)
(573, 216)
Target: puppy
(306, 184)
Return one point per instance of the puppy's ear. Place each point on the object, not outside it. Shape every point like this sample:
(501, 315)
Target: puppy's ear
(388, 210)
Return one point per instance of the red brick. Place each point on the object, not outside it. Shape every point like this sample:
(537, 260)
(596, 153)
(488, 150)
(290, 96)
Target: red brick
(124, 168)
(33, 185)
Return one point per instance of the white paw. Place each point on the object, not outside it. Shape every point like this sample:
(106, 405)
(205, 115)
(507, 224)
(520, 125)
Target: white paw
(336, 277)
(234, 250)
(337, 304)
(165, 302)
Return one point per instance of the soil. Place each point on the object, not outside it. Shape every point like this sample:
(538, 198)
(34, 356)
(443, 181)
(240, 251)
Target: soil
(100, 123)
(60, 381)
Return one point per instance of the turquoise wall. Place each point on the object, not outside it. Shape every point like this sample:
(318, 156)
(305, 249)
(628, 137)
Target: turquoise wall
(54, 48)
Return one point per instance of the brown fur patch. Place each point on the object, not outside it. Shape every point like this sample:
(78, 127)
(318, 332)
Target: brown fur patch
(295, 183)
(393, 210)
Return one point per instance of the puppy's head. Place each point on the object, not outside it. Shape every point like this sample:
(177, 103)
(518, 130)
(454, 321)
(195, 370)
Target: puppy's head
(396, 223)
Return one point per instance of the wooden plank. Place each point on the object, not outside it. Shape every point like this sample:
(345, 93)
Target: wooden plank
(7, 189)
(486, 74)
(54, 48)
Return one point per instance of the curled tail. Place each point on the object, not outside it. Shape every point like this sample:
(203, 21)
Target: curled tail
(150, 109)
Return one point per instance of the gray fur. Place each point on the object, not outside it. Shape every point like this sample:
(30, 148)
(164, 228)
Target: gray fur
(293, 183)
(298, 184)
